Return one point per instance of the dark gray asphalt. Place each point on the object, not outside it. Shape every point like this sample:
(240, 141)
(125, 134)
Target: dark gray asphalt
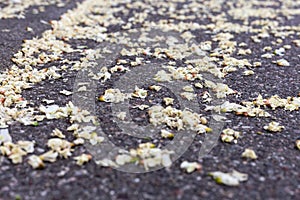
(278, 163)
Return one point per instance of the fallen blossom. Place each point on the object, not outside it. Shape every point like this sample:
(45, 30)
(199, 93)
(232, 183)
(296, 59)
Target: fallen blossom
(36, 162)
(249, 153)
(141, 107)
(168, 101)
(231, 179)
(229, 135)
(5, 136)
(297, 144)
(56, 132)
(283, 62)
(140, 93)
(82, 159)
(49, 156)
(274, 127)
(113, 95)
(189, 167)
(155, 87)
(66, 92)
(166, 134)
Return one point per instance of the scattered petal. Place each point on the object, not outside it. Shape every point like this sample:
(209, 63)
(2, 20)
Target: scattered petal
(231, 179)
(140, 93)
(5, 136)
(35, 162)
(123, 159)
(298, 144)
(249, 153)
(56, 132)
(155, 87)
(274, 127)
(141, 107)
(82, 159)
(106, 163)
(78, 141)
(113, 95)
(49, 156)
(168, 101)
(167, 134)
(248, 72)
(188, 88)
(65, 92)
(190, 166)
(188, 95)
(48, 101)
(283, 62)
(27, 146)
(229, 135)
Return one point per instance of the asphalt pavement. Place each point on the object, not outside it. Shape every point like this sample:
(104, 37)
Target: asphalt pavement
(273, 175)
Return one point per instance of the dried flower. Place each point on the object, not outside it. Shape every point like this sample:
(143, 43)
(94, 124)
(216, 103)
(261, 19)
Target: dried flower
(273, 127)
(249, 153)
(35, 162)
(82, 159)
(231, 179)
(190, 166)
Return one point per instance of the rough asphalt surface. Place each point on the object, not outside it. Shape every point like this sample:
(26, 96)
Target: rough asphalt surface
(275, 175)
